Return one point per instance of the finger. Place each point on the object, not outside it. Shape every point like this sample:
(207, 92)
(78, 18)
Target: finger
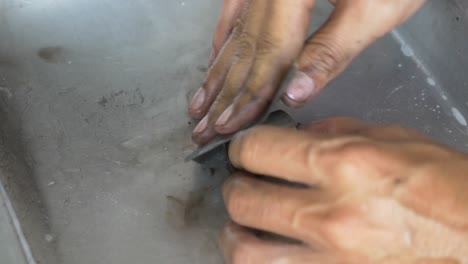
(274, 151)
(238, 51)
(314, 216)
(277, 46)
(230, 13)
(434, 261)
(299, 156)
(248, 104)
(337, 126)
(212, 84)
(240, 246)
(237, 74)
(271, 207)
(352, 26)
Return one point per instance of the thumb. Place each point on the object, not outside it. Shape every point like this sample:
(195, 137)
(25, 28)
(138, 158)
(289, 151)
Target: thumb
(352, 26)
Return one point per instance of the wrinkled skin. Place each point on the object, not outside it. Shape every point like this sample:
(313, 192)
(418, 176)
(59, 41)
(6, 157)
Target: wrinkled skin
(257, 41)
(381, 194)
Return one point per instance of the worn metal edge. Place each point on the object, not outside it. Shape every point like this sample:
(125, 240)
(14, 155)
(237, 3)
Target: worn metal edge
(17, 227)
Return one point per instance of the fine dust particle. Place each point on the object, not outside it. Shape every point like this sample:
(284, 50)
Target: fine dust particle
(406, 50)
(400, 65)
(459, 117)
(431, 81)
(48, 238)
(444, 97)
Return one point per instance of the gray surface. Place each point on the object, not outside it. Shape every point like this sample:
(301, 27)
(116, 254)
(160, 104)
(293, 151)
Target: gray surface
(93, 101)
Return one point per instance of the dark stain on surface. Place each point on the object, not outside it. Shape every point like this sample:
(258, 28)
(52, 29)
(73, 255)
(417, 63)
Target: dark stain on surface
(51, 54)
(138, 94)
(5, 61)
(122, 98)
(103, 101)
(186, 212)
(202, 68)
(192, 207)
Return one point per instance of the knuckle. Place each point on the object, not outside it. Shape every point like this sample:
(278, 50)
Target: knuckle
(336, 222)
(267, 44)
(345, 156)
(321, 56)
(247, 145)
(329, 222)
(257, 94)
(249, 45)
(356, 146)
(224, 99)
(352, 153)
(245, 45)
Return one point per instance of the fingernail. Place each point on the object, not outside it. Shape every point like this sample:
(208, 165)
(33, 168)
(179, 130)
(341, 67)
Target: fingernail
(301, 87)
(198, 99)
(225, 116)
(201, 126)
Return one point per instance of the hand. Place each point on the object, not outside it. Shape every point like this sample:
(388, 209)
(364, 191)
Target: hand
(379, 194)
(257, 41)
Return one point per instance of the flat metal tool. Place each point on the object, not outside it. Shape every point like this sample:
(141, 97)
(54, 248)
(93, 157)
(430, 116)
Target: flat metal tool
(214, 153)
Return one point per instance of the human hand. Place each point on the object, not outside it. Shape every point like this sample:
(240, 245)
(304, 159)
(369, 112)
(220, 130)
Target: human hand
(379, 194)
(257, 41)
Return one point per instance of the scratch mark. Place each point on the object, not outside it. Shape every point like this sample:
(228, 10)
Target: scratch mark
(396, 89)
(26, 106)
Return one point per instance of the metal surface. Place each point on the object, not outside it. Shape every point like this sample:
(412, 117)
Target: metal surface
(93, 97)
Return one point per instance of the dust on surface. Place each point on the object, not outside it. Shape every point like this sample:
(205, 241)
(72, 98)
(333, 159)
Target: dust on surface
(122, 98)
(202, 68)
(186, 212)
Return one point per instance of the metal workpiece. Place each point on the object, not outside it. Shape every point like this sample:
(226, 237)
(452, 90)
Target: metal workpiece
(216, 155)
(94, 127)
